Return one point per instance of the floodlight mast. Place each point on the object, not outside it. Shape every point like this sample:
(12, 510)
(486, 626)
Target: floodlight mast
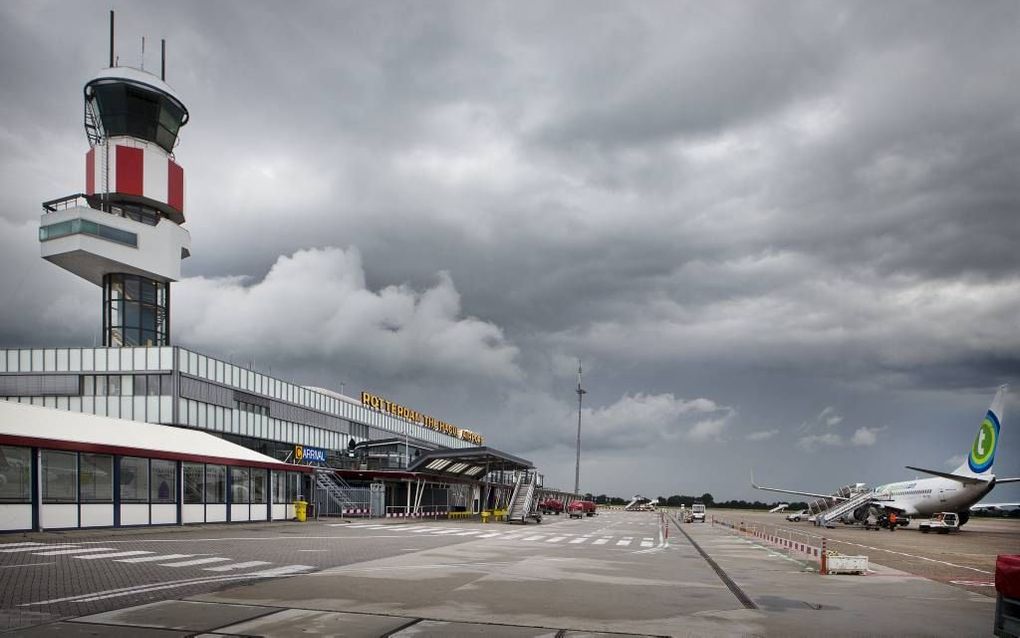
(577, 467)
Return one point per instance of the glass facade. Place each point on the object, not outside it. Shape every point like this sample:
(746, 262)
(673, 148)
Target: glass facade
(96, 476)
(134, 480)
(87, 227)
(59, 477)
(16, 470)
(136, 311)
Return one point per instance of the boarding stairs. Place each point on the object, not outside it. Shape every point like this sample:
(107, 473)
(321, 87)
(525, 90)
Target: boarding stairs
(339, 494)
(522, 502)
(634, 502)
(853, 496)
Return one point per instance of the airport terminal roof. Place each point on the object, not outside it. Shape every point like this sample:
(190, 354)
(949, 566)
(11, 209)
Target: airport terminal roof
(22, 424)
(473, 462)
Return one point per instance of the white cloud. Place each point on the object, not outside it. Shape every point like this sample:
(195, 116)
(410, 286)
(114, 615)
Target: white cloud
(315, 305)
(762, 435)
(955, 460)
(865, 437)
(813, 442)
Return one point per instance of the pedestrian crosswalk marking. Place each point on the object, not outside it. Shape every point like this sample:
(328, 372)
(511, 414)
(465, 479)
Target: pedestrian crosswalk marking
(79, 550)
(113, 555)
(467, 533)
(581, 539)
(32, 548)
(556, 539)
(152, 559)
(624, 541)
(227, 568)
(197, 561)
(601, 541)
(537, 537)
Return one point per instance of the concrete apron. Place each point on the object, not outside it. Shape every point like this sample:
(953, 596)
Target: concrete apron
(507, 584)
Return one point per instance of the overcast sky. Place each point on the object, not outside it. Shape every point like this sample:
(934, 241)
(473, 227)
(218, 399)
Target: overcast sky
(778, 235)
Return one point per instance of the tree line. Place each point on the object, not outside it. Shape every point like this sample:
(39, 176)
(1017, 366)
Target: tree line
(682, 499)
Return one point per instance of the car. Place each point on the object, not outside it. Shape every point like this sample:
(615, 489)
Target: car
(796, 517)
(551, 506)
(578, 509)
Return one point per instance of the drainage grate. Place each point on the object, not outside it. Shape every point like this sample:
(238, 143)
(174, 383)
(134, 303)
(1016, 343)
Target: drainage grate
(723, 576)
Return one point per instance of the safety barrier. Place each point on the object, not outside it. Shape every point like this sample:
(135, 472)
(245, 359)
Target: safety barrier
(815, 547)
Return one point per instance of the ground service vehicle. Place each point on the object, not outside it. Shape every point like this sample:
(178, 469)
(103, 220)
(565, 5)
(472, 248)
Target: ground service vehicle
(942, 522)
(581, 508)
(551, 506)
(797, 516)
(698, 512)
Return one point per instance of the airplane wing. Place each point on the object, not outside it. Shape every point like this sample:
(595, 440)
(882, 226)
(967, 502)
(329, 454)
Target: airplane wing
(1008, 480)
(782, 491)
(966, 480)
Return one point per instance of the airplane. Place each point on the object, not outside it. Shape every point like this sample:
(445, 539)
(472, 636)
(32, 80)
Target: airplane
(957, 491)
(779, 508)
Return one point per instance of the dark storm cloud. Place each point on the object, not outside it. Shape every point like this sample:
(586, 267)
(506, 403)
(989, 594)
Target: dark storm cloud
(738, 215)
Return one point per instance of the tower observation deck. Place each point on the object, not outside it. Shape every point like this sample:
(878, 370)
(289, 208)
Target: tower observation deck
(124, 231)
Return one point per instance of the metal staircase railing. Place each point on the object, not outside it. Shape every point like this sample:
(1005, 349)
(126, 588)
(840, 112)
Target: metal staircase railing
(339, 493)
(522, 504)
(839, 509)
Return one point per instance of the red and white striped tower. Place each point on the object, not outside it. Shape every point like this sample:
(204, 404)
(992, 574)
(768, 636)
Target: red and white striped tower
(124, 231)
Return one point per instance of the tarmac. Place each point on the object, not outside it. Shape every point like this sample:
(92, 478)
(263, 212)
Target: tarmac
(550, 580)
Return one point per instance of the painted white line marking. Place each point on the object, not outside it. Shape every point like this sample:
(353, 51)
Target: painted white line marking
(31, 549)
(80, 550)
(941, 562)
(647, 544)
(624, 541)
(152, 559)
(113, 555)
(197, 561)
(537, 537)
(580, 540)
(227, 568)
(556, 539)
(27, 565)
(447, 531)
(494, 534)
(282, 571)
(8, 545)
(466, 534)
(601, 541)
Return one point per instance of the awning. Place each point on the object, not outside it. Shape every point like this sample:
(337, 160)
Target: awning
(35, 426)
(468, 463)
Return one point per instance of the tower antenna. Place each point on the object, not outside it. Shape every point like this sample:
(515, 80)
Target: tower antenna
(162, 60)
(111, 38)
(577, 468)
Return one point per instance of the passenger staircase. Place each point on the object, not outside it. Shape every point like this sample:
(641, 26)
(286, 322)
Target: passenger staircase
(845, 499)
(522, 502)
(338, 493)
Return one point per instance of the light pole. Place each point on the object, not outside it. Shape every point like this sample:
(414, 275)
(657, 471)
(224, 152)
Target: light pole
(577, 468)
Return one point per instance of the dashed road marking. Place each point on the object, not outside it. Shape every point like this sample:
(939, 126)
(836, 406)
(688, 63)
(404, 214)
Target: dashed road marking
(32, 548)
(197, 561)
(152, 559)
(246, 565)
(79, 550)
(113, 555)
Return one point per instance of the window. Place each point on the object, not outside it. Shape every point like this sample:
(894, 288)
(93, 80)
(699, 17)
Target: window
(101, 386)
(194, 483)
(59, 477)
(279, 487)
(16, 470)
(215, 483)
(293, 486)
(134, 479)
(96, 477)
(258, 485)
(113, 385)
(164, 481)
(239, 488)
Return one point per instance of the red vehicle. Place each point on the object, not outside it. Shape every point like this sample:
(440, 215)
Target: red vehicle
(551, 506)
(582, 508)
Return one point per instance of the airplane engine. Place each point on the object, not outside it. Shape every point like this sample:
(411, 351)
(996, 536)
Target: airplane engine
(964, 516)
(861, 513)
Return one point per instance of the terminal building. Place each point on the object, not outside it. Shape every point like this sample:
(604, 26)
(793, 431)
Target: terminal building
(258, 441)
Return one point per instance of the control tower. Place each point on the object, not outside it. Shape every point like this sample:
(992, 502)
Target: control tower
(124, 232)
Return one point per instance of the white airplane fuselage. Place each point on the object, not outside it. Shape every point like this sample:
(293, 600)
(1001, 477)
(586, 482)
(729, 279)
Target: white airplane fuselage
(924, 497)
